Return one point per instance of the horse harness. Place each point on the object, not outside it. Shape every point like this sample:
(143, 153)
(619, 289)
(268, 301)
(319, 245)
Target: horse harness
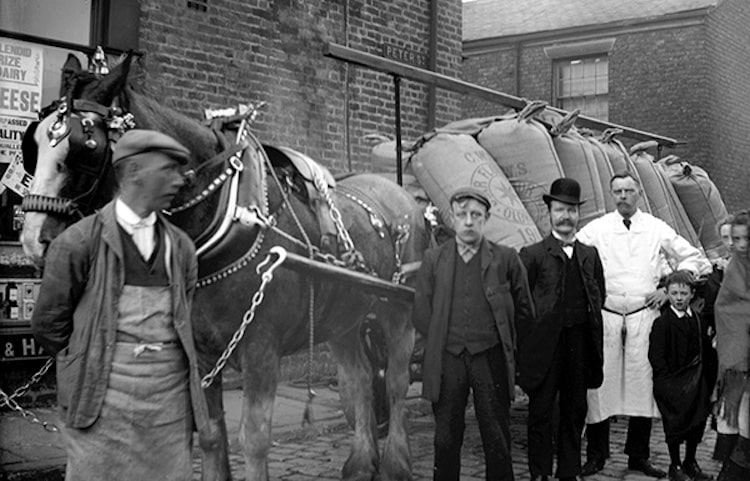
(247, 206)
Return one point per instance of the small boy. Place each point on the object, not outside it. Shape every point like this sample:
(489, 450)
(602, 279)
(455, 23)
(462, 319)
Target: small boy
(678, 345)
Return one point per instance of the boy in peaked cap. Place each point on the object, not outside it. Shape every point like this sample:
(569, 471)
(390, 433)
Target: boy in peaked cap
(463, 291)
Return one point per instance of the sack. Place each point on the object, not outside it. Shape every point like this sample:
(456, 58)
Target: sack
(446, 162)
(605, 171)
(661, 195)
(523, 149)
(576, 156)
(702, 202)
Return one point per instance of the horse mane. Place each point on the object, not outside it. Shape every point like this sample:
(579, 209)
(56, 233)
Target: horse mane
(150, 114)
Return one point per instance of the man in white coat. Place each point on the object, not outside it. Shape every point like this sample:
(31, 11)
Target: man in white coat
(632, 245)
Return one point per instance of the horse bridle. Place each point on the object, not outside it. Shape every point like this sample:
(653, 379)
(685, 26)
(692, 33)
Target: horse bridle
(90, 147)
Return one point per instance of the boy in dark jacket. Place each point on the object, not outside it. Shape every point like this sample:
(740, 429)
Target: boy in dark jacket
(678, 345)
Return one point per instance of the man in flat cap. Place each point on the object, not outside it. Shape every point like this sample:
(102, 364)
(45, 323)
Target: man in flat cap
(562, 353)
(114, 307)
(471, 298)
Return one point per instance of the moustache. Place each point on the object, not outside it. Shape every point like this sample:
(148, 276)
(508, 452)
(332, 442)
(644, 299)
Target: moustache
(565, 222)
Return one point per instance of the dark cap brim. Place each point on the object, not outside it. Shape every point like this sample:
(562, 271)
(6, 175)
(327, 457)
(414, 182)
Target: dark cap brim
(468, 193)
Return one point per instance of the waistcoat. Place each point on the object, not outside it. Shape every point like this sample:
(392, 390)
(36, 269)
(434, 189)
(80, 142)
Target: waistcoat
(471, 325)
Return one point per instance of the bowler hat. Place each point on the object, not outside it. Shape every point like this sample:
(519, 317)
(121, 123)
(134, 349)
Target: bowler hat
(138, 141)
(564, 190)
(463, 193)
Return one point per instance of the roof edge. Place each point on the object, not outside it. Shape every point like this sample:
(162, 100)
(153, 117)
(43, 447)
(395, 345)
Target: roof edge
(672, 20)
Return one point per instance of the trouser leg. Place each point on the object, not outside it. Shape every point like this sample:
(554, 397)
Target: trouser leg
(597, 441)
(489, 383)
(539, 425)
(572, 401)
(639, 437)
(449, 413)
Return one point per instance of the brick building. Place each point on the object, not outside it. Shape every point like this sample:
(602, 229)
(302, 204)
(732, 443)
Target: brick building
(198, 54)
(677, 68)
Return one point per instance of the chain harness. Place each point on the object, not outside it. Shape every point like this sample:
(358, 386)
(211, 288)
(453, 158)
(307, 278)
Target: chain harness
(116, 123)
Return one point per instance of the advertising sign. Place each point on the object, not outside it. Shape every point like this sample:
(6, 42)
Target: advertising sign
(21, 67)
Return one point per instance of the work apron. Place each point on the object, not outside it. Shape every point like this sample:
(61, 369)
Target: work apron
(628, 379)
(144, 431)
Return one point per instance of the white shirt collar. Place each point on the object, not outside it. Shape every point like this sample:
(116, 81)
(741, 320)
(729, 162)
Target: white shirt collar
(634, 218)
(681, 314)
(128, 219)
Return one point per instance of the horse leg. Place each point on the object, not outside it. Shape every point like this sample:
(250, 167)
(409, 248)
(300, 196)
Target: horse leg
(399, 334)
(215, 446)
(355, 389)
(260, 368)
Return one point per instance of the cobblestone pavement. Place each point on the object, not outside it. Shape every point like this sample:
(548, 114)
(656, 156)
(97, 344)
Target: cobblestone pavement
(320, 455)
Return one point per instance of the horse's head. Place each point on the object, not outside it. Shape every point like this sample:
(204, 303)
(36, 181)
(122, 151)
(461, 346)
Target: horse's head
(68, 151)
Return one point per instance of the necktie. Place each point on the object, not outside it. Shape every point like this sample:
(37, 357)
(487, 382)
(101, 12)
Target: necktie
(627, 223)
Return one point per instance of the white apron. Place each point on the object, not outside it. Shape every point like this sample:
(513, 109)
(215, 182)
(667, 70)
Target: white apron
(633, 261)
(628, 381)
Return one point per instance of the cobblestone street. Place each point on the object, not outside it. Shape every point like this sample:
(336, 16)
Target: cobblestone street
(308, 455)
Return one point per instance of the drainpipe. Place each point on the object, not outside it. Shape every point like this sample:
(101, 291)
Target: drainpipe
(347, 133)
(432, 65)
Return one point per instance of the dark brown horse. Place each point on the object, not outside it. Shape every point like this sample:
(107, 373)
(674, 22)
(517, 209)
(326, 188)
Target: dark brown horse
(269, 204)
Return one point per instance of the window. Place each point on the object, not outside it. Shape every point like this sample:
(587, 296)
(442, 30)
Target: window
(583, 83)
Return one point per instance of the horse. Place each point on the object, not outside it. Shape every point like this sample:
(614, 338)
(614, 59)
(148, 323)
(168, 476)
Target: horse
(379, 229)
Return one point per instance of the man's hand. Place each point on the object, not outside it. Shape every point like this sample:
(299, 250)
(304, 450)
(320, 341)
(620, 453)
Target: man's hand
(656, 299)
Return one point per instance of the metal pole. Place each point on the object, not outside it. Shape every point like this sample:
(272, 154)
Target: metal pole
(397, 95)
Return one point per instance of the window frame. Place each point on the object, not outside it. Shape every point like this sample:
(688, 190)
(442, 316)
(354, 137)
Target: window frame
(558, 98)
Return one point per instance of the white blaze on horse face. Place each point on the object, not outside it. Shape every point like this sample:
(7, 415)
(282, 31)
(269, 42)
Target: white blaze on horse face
(48, 181)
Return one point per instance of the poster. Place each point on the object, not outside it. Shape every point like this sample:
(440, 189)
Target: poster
(21, 67)
(16, 178)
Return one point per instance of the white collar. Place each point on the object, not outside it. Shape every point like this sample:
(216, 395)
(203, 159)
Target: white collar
(633, 218)
(681, 314)
(127, 218)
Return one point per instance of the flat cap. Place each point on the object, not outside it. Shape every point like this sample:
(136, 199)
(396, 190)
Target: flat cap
(139, 141)
(463, 193)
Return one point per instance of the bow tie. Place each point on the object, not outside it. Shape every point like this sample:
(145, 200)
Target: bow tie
(566, 243)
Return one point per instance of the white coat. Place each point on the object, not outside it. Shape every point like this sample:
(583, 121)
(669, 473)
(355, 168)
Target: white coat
(633, 262)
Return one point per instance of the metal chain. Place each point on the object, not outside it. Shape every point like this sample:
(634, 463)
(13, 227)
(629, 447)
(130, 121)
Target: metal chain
(322, 187)
(247, 318)
(27, 414)
(9, 401)
(25, 387)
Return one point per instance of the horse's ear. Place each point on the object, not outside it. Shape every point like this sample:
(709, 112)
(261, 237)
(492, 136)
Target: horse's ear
(69, 70)
(108, 87)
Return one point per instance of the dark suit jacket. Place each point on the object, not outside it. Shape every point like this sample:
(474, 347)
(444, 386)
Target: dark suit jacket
(544, 263)
(505, 287)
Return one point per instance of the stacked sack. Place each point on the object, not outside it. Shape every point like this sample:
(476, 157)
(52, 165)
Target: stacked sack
(701, 200)
(514, 158)
(448, 159)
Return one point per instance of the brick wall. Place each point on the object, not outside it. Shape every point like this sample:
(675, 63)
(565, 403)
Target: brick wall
(728, 145)
(659, 83)
(261, 50)
(688, 82)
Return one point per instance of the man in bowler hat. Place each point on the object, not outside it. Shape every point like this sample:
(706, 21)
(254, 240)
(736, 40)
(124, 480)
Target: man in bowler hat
(471, 298)
(562, 353)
